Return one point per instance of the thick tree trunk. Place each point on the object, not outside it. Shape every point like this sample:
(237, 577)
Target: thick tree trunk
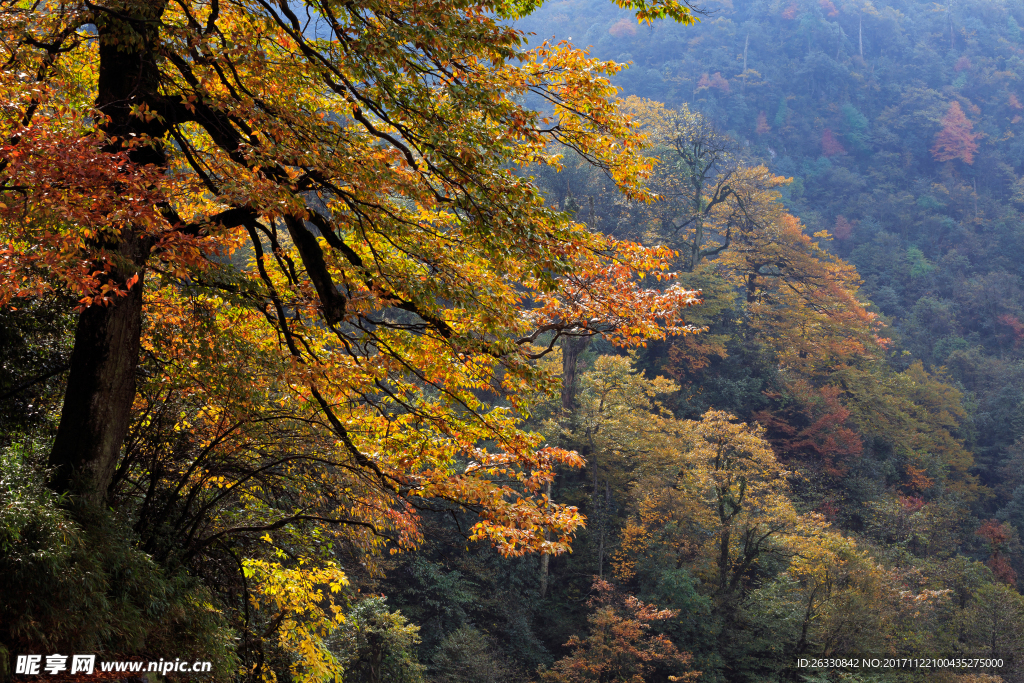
(97, 404)
(101, 383)
(723, 561)
(572, 347)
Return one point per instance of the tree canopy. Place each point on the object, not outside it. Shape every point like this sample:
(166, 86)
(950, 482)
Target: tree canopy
(325, 186)
(294, 237)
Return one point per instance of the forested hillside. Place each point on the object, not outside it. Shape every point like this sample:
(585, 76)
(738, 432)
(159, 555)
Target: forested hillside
(403, 342)
(895, 128)
(890, 133)
(899, 124)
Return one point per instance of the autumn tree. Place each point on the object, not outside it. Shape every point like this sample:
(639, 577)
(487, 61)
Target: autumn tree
(623, 430)
(727, 483)
(803, 298)
(728, 221)
(619, 647)
(997, 535)
(813, 426)
(916, 417)
(955, 140)
(762, 123)
(744, 489)
(802, 303)
(707, 197)
(723, 509)
(302, 219)
(830, 146)
(843, 228)
(197, 152)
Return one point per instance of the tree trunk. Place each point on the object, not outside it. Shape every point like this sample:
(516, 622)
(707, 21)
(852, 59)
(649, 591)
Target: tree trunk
(605, 512)
(101, 383)
(723, 561)
(746, 44)
(949, 12)
(545, 559)
(97, 404)
(860, 36)
(572, 347)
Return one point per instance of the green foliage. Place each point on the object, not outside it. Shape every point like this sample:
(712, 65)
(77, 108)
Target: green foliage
(74, 588)
(855, 128)
(437, 598)
(991, 624)
(446, 587)
(781, 114)
(920, 266)
(1013, 28)
(375, 645)
(467, 656)
(695, 625)
(34, 350)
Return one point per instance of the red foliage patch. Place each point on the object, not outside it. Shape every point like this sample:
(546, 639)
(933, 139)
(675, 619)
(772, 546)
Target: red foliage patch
(830, 146)
(955, 140)
(812, 428)
(843, 229)
(997, 534)
(762, 123)
(622, 28)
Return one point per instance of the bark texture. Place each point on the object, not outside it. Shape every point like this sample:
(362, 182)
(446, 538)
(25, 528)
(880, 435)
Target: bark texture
(101, 382)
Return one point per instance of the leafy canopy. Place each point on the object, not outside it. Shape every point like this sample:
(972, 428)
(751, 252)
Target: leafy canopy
(326, 191)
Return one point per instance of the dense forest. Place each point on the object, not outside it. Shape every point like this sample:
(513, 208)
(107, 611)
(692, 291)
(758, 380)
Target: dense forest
(408, 342)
